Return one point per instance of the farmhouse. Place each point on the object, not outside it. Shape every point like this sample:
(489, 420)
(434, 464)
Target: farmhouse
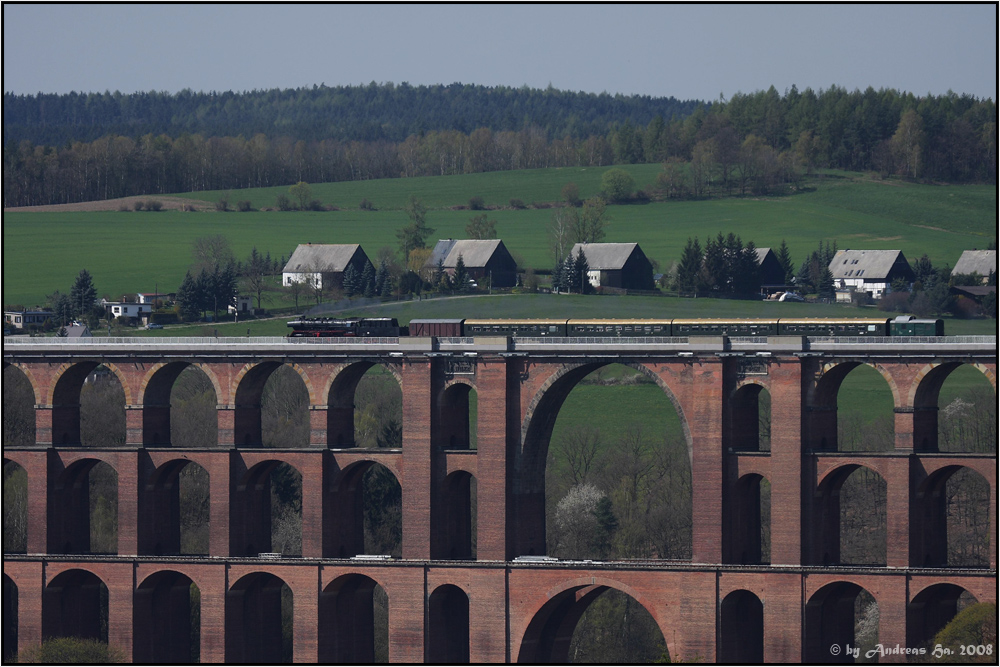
(20, 319)
(620, 265)
(485, 260)
(983, 262)
(870, 271)
(323, 264)
(135, 312)
(772, 276)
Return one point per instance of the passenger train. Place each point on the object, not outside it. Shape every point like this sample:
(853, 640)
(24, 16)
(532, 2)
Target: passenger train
(324, 327)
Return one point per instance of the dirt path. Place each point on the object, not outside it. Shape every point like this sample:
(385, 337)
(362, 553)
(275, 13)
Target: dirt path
(127, 203)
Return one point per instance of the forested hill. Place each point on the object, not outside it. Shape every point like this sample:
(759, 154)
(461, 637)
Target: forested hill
(347, 113)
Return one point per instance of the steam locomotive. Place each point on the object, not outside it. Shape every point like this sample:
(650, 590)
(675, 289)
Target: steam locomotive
(378, 327)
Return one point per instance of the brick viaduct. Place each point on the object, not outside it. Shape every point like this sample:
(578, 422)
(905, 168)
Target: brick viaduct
(723, 604)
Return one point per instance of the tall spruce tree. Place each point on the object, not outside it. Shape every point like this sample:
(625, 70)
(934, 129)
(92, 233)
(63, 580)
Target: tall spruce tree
(461, 275)
(689, 266)
(581, 270)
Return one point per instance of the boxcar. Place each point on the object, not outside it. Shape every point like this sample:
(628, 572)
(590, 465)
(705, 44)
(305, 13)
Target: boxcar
(719, 327)
(618, 328)
(829, 327)
(515, 328)
(907, 325)
(442, 328)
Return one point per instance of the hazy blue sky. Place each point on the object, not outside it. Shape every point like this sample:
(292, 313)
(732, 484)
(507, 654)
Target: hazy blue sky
(687, 51)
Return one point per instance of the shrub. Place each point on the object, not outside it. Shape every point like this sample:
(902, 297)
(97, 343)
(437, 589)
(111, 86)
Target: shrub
(154, 205)
(283, 203)
(367, 205)
(315, 205)
(516, 203)
(123, 208)
(964, 308)
(477, 203)
(138, 206)
(617, 184)
(72, 650)
(243, 206)
(893, 302)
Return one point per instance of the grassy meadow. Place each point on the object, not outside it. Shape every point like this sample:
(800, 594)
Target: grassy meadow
(128, 252)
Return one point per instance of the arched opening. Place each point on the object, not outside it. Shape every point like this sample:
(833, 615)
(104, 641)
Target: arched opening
(9, 619)
(15, 508)
(852, 526)
(456, 425)
(272, 408)
(741, 631)
(259, 620)
(167, 620)
(354, 621)
(599, 481)
(931, 609)
(592, 624)
(365, 511)
(175, 510)
(950, 520)
(852, 411)
(75, 604)
(840, 614)
(84, 503)
(179, 408)
(747, 538)
(266, 511)
(365, 408)
(955, 410)
(448, 626)
(88, 407)
(18, 408)
(456, 511)
(751, 421)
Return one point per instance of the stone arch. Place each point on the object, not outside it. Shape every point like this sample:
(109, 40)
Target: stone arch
(932, 540)
(339, 393)
(162, 619)
(829, 620)
(15, 507)
(25, 369)
(253, 619)
(73, 605)
(344, 534)
(20, 396)
(454, 428)
(156, 389)
(924, 397)
(828, 529)
(64, 396)
(554, 616)
(822, 402)
(352, 609)
(69, 521)
(250, 511)
(160, 525)
(741, 629)
(447, 626)
(455, 537)
(248, 397)
(746, 526)
(930, 609)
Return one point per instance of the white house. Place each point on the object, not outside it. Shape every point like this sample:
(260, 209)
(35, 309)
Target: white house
(244, 304)
(869, 271)
(25, 318)
(134, 311)
(323, 264)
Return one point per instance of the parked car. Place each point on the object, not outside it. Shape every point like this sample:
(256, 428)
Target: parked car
(154, 325)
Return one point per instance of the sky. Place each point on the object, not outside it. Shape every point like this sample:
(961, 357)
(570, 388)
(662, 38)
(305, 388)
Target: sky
(694, 51)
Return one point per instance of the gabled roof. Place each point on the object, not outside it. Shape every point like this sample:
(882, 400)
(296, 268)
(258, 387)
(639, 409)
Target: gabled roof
(866, 264)
(976, 261)
(475, 253)
(605, 256)
(762, 254)
(78, 331)
(321, 257)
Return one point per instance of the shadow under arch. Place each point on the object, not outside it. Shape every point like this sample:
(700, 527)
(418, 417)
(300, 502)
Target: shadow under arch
(549, 633)
(248, 425)
(156, 391)
(930, 610)
(933, 537)
(353, 621)
(15, 507)
(20, 395)
(250, 512)
(9, 619)
(750, 429)
(741, 629)
(454, 428)
(75, 604)
(348, 511)
(70, 526)
(830, 619)
(163, 610)
(536, 434)
(253, 620)
(869, 528)
(162, 524)
(822, 403)
(454, 512)
(447, 626)
(747, 521)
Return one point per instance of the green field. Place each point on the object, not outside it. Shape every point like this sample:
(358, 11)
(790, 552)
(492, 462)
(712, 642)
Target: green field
(139, 252)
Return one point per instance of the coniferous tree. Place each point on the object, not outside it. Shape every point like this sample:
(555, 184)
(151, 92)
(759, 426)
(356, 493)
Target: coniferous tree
(368, 280)
(461, 275)
(689, 266)
(570, 276)
(187, 295)
(581, 270)
(557, 276)
(83, 293)
(350, 283)
(785, 260)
